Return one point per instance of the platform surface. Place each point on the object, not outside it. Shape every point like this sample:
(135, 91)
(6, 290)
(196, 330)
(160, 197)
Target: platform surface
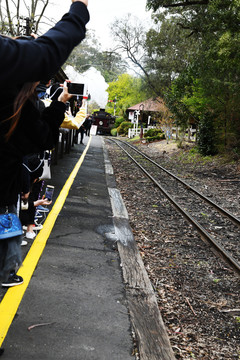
(76, 295)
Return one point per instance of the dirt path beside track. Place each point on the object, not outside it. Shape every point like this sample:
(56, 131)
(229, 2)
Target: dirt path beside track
(198, 295)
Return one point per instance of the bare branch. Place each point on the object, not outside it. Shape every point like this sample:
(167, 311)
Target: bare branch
(9, 18)
(18, 16)
(41, 15)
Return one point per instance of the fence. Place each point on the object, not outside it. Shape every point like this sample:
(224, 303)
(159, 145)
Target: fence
(136, 131)
(190, 133)
(173, 133)
(65, 142)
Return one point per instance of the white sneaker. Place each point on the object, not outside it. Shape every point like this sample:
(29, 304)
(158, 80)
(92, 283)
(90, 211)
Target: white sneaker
(24, 243)
(38, 227)
(30, 235)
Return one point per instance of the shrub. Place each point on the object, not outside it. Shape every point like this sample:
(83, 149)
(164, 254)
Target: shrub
(156, 137)
(118, 121)
(114, 132)
(123, 128)
(153, 132)
(206, 136)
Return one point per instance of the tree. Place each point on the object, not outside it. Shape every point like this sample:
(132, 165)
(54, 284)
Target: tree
(18, 18)
(206, 135)
(156, 4)
(169, 51)
(199, 16)
(208, 84)
(130, 39)
(92, 106)
(127, 90)
(88, 54)
(160, 54)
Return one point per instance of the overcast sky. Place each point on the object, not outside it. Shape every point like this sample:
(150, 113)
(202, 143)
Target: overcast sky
(103, 13)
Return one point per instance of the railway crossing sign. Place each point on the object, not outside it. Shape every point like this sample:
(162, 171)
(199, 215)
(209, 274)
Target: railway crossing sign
(135, 116)
(136, 113)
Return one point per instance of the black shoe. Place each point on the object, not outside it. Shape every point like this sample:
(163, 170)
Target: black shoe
(13, 280)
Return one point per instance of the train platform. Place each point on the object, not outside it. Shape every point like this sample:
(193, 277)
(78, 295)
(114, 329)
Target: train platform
(85, 290)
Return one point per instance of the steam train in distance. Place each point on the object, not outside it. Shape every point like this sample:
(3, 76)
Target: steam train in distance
(104, 121)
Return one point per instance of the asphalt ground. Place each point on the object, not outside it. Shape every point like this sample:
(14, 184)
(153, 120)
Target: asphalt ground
(73, 303)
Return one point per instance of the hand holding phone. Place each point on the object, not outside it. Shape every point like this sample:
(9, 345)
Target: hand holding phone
(64, 96)
(75, 89)
(49, 192)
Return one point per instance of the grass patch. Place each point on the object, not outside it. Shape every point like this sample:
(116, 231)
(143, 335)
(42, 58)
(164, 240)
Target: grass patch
(193, 157)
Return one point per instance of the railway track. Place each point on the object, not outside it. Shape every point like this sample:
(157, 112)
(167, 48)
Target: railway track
(217, 226)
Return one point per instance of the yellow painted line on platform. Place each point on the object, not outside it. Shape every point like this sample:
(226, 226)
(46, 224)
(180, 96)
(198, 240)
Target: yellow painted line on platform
(11, 301)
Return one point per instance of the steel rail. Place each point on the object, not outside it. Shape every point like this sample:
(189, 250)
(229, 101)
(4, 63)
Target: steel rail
(218, 247)
(232, 217)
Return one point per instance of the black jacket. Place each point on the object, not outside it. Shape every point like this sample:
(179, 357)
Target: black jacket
(40, 59)
(35, 132)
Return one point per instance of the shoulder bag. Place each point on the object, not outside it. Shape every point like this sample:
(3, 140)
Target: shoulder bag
(10, 225)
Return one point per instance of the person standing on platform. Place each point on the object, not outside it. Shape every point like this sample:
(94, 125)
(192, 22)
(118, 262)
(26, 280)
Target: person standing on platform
(23, 130)
(88, 125)
(22, 65)
(82, 131)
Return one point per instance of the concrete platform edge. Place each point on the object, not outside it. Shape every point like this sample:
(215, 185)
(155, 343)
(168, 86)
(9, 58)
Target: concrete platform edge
(151, 334)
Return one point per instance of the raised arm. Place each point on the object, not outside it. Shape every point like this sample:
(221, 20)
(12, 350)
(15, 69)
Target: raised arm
(83, 1)
(40, 59)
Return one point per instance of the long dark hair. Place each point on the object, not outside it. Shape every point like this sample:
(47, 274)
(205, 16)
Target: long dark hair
(27, 91)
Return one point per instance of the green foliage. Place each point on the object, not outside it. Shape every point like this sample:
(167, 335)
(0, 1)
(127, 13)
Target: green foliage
(193, 151)
(127, 90)
(118, 121)
(154, 138)
(154, 134)
(156, 4)
(114, 132)
(206, 136)
(169, 50)
(209, 81)
(174, 100)
(196, 160)
(216, 281)
(123, 128)
(192, 60)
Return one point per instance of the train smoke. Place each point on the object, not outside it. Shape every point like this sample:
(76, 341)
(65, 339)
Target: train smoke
(94, 82)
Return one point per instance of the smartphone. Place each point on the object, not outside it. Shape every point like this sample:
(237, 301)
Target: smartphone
(75, 88)
(67, 105)
(49, 192)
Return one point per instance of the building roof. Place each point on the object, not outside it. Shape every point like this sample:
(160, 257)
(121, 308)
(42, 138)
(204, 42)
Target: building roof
(153, 104)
